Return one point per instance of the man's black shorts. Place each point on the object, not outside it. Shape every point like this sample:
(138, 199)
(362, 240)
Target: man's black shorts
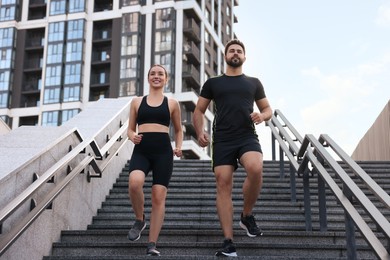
(229, 152)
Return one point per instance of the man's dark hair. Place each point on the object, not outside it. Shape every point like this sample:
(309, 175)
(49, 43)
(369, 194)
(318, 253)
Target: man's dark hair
(234, 41)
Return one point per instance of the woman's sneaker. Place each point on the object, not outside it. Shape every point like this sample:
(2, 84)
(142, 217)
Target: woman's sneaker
(135, 232)
(151, 249)
(248, 223)
(228, 249)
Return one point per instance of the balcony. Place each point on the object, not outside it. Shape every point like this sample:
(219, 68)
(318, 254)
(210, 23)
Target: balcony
(191, 29)
(192, 53)
(192, 76)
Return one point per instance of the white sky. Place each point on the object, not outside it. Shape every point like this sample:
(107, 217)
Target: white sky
(324, 64)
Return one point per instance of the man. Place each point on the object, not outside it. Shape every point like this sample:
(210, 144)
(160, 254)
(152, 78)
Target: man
(234, 139)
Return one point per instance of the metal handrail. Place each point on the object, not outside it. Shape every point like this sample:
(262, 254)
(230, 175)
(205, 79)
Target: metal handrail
(317, 159)
(313, 151)
(16, 231)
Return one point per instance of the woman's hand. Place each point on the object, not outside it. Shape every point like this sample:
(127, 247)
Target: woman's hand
(178, 152)
(137, 139)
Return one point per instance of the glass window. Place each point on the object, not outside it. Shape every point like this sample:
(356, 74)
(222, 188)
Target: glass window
(163, 41)
(4, 100)
(5, 58)
(71, 93)
(75, 29)
(129, 44)
(6, 37)
(164, 18)
(53, 75)
(206, 57)
(130, 22)
(50, 118)
(7, 13)
(76, 6)
(4, 80)
(54, 53)
(74, 51)
(73, 74)
(130, 2)
(228, 30)
(128, 88)
(56, 31)
(68, 114)
(52, 95)
(129, 67)
(57, 7)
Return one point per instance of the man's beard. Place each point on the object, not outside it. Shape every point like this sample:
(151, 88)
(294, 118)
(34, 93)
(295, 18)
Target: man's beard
(234, 62)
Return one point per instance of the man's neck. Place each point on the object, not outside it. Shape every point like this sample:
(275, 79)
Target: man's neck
(231, 71)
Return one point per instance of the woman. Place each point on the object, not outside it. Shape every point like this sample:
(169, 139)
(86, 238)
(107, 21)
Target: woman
(152, 115)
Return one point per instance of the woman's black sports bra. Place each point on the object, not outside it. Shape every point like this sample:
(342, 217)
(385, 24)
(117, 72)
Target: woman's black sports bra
(157, 115)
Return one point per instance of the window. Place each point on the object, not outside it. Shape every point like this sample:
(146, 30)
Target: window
(130, 2)
(68, 114)
(57, 7)
(55, 53)
(4, 100)
(7, 13)
(53, 75)
(5, 58)
(75, 29)
(129, 44)
(52, 95)
(130, 22)
(6, 37)
(163, 41)
(74, 51)
(129, 67)
(207, 36)
(206, 57)
(50, 118)
(128, 88)
(56, 31)
(71, 93)
(228, 30)
(4, 80)
(76, 6)
(73, 74)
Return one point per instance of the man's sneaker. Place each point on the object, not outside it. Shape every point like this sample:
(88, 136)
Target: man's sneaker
(151, 249)
(248, 223)
(135, 232)
(228, 249)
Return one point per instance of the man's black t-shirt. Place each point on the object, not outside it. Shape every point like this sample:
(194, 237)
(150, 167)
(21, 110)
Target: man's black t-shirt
(234, 97)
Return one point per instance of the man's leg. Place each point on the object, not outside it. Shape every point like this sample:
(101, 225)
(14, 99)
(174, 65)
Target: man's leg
(224, 183)
(253, 164)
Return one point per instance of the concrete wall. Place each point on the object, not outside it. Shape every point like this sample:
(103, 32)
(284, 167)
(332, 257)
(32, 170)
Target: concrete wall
(375, 145)
(74, 208)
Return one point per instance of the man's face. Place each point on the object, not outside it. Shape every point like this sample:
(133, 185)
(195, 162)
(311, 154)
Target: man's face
(235, 56)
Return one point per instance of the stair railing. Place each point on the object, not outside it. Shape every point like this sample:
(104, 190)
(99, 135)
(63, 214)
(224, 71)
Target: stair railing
(99, 160)
(310, 159)
(288, 139)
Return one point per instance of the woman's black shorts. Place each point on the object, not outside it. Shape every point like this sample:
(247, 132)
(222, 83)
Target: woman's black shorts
(155, 154)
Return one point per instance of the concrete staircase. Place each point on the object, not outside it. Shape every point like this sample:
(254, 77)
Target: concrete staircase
(191, 228)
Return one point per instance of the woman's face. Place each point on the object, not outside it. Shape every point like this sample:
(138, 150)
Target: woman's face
(157, 76)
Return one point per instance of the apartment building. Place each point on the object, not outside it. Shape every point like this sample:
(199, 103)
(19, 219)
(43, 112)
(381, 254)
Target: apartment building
(59, 55)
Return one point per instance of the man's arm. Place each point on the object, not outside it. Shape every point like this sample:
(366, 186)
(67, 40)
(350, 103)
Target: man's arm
(198, 121)
(265, 111)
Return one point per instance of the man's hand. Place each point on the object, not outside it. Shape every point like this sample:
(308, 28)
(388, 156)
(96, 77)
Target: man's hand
(203, 139)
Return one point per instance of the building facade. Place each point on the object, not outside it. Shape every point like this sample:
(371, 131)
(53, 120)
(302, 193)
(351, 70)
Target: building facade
(59, 55)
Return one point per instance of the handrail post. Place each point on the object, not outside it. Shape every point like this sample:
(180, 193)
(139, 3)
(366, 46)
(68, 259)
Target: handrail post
(349, 227)
(281, 162)
(273, 141)
(322, 199)
(293, 184)
(306, 198)
(292, 180)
